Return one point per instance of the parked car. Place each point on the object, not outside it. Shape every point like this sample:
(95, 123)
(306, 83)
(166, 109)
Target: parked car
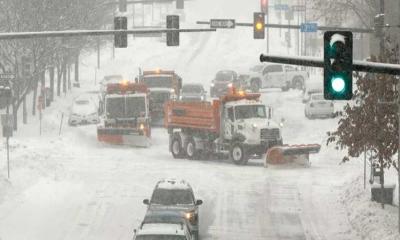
(222, 82)
(307, 93)
(192, 92)
(176, 195)
(276, 76)
(162, 231)
(83, 111)
(317, 106)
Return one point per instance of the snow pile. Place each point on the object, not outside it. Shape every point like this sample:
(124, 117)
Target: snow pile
(367, 217)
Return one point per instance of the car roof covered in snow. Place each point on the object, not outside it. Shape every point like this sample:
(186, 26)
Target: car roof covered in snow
(173, 184)
(161, 229)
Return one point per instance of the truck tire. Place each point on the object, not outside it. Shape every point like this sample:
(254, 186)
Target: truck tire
(238, 155)
(255, 85)
(176, 147)
(190, 149)
(298, 83)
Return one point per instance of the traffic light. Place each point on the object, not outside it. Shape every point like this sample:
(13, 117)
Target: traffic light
(264, 6)
(172, 37)
(338, 64)
(180, 4)
(122, 5)
(120, 39)
(259, 25)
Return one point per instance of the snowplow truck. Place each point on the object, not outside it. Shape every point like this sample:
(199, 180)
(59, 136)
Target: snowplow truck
(126, 115)
(237, 126)
(163, 86)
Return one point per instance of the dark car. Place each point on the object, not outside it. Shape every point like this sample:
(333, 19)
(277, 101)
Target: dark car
(178, 196)
(222, 82)
(192, 92)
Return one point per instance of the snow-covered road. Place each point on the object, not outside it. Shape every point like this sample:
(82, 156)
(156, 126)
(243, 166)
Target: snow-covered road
(88, 190)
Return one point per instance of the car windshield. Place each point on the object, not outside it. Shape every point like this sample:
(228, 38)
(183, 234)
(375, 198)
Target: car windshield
(250, 111)
(172, 197)
(191, 89)
(163, 218)
(158, 81)
(160, 237)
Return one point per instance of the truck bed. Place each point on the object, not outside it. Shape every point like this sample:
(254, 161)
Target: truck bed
(193, 115)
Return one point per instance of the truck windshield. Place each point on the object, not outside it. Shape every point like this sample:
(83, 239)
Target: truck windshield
(160, 237)
(125, 107)
(171, 197)
(191, 89)
(159, 97)
(224, 76)
(158, 81)
(250, 111)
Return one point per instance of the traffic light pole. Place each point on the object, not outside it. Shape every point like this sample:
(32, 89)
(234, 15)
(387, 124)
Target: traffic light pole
(76, 33)
(361, 66)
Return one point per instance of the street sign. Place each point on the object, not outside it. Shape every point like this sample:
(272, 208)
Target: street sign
(298, 8)
(281, 7)
(309, 27)
(222, 23)
(5, 76)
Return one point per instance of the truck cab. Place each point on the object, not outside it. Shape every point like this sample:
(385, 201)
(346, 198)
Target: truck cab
(163, 86)
(126, 115)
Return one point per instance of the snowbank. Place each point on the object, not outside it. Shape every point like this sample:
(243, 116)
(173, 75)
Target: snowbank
(367, 217)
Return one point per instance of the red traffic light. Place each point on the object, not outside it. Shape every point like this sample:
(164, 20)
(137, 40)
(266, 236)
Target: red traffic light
(264, 6)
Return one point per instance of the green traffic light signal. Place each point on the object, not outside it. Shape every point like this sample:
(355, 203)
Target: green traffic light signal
(338, 65)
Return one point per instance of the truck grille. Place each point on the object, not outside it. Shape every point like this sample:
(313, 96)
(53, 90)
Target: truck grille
(269, 134)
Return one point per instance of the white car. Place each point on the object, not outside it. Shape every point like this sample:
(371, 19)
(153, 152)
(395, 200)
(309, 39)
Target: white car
(83, 111)
(317, 106)
(162, 231)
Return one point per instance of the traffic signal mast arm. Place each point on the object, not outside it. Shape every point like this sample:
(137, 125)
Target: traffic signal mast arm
(321, 28)
(361, 66)
(74, 33)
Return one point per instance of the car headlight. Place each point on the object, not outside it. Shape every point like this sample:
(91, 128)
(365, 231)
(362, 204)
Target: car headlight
(281, 124)
(230, 85)
(254, 126)
(212, 84)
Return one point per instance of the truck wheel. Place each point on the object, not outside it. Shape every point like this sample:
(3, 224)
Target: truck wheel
(297, 83)
(191, 152)
(255, 85)
(176, 147)
(238, 155)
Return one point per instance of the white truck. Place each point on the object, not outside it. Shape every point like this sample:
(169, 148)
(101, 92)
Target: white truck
(276, 76)
(238, 125)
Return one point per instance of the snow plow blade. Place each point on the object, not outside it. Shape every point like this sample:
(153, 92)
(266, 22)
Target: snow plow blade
(291, 154)
(129, 137)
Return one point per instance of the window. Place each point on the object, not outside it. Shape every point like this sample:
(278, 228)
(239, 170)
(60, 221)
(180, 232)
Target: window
(272, 69)
(230, 114)
(250, 111)
(172, 196)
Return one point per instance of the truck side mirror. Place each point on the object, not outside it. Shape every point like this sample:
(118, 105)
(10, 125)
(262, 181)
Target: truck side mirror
(146, 202)
(269, 113)
(199, 202)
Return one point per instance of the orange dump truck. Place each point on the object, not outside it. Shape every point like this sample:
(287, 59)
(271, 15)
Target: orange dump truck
(237, 125)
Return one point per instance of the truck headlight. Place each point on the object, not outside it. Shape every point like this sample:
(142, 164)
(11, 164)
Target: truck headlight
(281, 124)
(254, 126)
(212, 85)
(141, 126)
